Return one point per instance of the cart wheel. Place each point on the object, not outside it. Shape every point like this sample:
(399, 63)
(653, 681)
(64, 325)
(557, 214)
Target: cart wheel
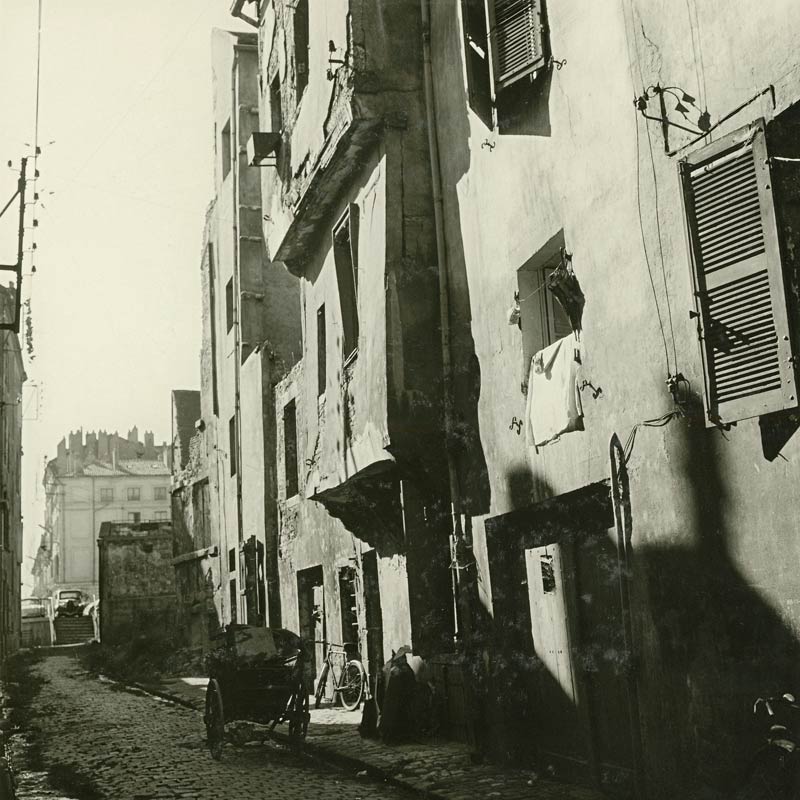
(299, 716)
(352, 687)
(214, 719)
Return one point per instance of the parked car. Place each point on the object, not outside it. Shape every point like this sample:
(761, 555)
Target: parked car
(33, 607)
(69, 602)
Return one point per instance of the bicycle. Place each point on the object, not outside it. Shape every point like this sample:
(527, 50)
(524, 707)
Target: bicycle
(349, 677)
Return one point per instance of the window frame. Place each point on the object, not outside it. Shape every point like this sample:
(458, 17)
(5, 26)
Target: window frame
(106, 494)
(226, 149)
(344, 238)
(291, 469)
(705, 159)
(133, 494)
(159, 493)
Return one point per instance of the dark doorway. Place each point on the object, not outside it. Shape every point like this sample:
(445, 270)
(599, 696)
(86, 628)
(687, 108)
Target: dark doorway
(311, 613)
(373, 615)
(348, 604)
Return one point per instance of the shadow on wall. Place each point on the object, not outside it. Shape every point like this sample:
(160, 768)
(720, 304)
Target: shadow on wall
(706, 642)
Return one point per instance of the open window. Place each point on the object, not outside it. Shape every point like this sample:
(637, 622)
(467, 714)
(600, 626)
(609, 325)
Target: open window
(233, 445)
(542, 318)
(290, 448)
(322, 350)
(740, 297)
(504, 42)
(301, 48)
(345, 254)
(229, 304)
(226, 149)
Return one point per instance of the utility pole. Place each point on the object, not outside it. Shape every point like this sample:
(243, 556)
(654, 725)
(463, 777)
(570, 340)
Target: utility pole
(17, 268)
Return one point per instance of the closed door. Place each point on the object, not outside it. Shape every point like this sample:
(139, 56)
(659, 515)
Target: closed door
(559, 731)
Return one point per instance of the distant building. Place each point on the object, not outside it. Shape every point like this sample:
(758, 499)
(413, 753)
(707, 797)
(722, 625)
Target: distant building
(12, 376)
(103, 478)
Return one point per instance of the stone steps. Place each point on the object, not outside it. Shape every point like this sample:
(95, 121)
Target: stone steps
(73, 630)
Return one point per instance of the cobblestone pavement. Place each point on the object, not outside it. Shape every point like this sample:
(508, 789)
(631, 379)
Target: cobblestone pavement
(114, 743)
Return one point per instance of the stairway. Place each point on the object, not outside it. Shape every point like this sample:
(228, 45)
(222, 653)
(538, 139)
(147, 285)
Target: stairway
(73, 630)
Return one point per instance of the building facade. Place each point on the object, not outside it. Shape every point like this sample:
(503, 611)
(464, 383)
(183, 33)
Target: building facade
(251, 338)
(196, 548)
(12, 378)
(94, 479)
(364, 552)
(571, 320)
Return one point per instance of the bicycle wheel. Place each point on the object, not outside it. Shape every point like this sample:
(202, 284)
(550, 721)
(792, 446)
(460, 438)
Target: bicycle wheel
(323, 679)
(215, 720)
(351, 689)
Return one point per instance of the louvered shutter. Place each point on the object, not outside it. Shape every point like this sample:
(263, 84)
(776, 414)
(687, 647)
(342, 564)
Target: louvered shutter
(515, 28)
(738, 276)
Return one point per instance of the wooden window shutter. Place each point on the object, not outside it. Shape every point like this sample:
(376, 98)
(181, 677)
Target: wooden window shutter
(738, 278)
(516, 39)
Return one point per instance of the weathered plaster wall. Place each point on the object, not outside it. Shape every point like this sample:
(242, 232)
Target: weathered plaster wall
(136, 577)
(715, 528)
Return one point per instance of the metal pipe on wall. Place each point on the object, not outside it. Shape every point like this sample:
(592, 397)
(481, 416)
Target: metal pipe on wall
(462, 621)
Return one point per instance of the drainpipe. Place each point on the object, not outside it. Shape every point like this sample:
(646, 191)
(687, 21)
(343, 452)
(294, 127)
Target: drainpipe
(459, 545)
(620, 497)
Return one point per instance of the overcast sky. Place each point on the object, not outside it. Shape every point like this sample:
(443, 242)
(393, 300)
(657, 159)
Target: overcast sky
(126, 95)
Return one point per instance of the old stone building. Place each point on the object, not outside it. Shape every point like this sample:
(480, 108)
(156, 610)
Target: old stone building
(96, 478)
(251, 337)
(548, 284)
(195, 549)
(363, 549)
(12, 378)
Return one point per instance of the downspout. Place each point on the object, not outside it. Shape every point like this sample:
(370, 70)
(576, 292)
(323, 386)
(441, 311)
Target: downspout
(237, 331)
(458, 542)
(620, 497)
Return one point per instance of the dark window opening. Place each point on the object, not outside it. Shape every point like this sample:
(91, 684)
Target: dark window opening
(275, 109)
(226, 149)
(321, 351)
(301, 47)
(348, 606)
(233, 445)
(134, 516)
(212, 293)
(232, 560)
(345, 255)
(229, 304)
(476, 56)
(504, 41)
(290, 448)
(234, 601)
(548, 573)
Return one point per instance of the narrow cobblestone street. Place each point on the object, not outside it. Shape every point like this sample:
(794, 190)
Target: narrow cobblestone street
(85, 739)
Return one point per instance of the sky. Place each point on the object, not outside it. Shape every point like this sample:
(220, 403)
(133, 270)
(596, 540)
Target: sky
(125, 95)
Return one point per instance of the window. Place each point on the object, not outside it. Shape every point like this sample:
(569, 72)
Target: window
(134, 516)
(5, 526)
(212, 296)
(106, 495)
(740, 297)
(275, 109)
(233, 445)
(134, 494)
(229, 304)
(301, 48)
(290, 448)
(160, 515)
(321, 351)
(543, 319)
(160, 493)
(504, 41)
(225, 149)
(345, 255)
